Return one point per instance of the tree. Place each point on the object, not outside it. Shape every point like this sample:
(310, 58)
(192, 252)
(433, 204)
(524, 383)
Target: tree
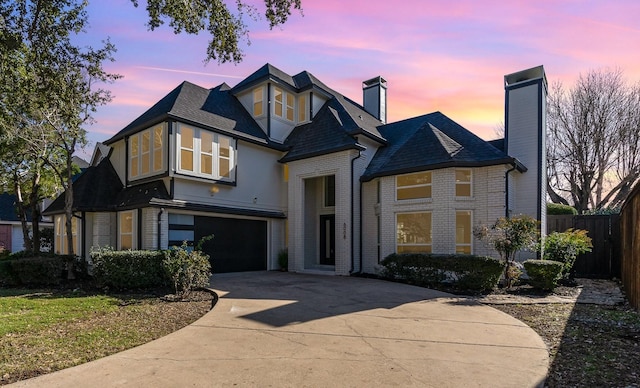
(49, 91)
(227, 28)
(593, 145)
(508, 236)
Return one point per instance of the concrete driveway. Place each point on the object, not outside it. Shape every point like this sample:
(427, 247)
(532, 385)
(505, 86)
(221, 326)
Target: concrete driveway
(272, 329)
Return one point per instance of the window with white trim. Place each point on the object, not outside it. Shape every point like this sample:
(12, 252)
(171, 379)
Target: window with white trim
(413, 186)
(205, 154)
(463, 231)
(258, 101)
(413, 232)
(463, 182)
(60, 244)
(146, 152)
(127, 224)
(283, 104)
(303, 108)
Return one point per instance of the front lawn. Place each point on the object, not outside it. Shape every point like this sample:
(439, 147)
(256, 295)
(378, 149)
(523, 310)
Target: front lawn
(44, 330)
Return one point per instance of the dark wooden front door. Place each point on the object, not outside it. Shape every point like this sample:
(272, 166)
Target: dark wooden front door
(328, 239)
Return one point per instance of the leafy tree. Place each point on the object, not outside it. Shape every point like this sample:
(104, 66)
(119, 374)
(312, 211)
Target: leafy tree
(49, 91)
(594, 142)
(227, 28)
(508, 236)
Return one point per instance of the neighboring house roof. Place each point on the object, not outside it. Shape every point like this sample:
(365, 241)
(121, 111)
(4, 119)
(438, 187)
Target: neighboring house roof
(430, 142)
(498, 143)
(8, 207)
(213, 108)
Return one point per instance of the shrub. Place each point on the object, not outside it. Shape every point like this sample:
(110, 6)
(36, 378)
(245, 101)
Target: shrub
(283, 259)
(544, 274)
(467, 272)
(187, 269)
(554, 209)
(128, 269)
(508, 236)
(565, 247)
(40, 270)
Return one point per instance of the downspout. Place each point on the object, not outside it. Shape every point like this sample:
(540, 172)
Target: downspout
(352, 213)
(160, 228)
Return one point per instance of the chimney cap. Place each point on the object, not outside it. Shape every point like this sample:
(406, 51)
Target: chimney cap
(374, 81)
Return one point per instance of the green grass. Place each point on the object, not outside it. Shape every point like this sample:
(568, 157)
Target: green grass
(26, 310)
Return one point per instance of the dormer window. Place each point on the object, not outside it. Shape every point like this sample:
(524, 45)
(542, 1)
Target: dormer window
(258, 101)
(283, 104)
(302, 108)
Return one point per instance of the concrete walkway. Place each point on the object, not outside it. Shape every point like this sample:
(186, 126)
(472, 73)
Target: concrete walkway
(272, 329)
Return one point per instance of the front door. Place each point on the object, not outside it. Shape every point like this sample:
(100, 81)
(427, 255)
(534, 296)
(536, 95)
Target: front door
(328, 239)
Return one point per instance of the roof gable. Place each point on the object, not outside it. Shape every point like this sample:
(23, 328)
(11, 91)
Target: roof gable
(429, 142)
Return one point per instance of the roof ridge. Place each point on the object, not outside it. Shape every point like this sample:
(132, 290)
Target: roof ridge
(451, 146)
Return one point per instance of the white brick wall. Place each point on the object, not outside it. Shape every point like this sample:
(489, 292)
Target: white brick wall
(487, 204)
(301, 235)
(104, 230)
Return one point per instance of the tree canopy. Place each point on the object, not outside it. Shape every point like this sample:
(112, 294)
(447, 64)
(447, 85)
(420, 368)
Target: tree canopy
(593, 146)
(225, 25)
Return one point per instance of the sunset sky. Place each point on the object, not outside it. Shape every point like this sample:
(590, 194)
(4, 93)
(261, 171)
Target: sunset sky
(447, 56)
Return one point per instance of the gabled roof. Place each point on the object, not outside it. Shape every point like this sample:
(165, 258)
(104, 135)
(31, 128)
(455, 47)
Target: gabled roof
(430, 142)
(213, 108)
(324, 135)
(93, 190)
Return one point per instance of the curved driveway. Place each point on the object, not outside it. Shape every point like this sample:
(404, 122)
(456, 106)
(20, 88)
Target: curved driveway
(272, 329)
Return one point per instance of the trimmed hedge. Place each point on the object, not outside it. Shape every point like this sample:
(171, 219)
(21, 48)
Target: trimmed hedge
(39, 270)
(128, 269)
(467, 272)
(544, 274)
(555, 209)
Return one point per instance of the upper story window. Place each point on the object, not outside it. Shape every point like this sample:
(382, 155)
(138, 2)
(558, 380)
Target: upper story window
(205, 154)
(329, 191)
(283, 104)
(303, 108)
(463, 182)
(258, 101)
(413, 186)
(146, 152)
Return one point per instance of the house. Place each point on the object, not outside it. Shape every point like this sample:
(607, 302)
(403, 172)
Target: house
(280, 161)
(11, 235)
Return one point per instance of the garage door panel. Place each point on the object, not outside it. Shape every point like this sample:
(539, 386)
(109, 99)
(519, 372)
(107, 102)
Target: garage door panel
(238, 244)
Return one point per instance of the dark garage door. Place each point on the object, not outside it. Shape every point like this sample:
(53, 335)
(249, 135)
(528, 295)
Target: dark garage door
(238, 245)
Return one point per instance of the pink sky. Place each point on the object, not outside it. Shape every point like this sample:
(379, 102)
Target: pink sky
(447, 56)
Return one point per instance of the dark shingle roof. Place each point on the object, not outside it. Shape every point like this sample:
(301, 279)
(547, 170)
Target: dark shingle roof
(325, 134)
(430, 142)
(8, 207)
(94, 190)
(213, 108)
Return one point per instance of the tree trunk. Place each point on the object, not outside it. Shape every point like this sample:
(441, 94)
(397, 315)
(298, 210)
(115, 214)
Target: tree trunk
(21, 211)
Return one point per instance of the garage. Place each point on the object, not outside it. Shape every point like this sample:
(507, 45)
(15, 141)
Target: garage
(239, 244)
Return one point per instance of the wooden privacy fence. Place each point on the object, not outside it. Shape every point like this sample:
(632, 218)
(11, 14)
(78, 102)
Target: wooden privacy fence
(630, 244)
(604, 259)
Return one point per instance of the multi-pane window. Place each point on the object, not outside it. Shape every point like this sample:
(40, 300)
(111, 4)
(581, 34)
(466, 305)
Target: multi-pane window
(205, 154)
(413, 186)
(146, 152)
(158, 148)
(302, 108)
(463, 182)
(413, 232)
(463, 231)
(60, 235)
(126, 229)
(283, 104)
(258, 101)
